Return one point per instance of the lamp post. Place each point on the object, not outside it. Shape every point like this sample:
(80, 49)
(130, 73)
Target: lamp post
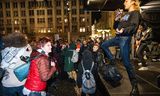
(68, 4)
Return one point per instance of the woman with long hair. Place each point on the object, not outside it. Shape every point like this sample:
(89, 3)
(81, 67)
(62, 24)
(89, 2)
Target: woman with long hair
(125, 27)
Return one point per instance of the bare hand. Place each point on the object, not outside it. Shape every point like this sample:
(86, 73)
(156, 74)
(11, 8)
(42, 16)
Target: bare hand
(53, 63)
(119, 31)
(119, 13)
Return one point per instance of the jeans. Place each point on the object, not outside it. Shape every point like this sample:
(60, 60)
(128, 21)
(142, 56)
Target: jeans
(84, 94)
(124, 44)
(140, 54)
(12, 91)
(35, 94)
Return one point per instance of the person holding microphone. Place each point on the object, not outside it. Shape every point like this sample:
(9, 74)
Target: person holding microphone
(125, 25)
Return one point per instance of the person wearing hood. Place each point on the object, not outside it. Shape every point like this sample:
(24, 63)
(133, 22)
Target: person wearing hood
(87, 59)
(15, 46)
(68, 64)
(41, 69)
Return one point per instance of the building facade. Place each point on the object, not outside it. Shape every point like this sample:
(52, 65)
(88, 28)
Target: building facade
(44, 17)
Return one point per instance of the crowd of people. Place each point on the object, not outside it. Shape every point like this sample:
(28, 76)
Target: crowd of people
(48, 57)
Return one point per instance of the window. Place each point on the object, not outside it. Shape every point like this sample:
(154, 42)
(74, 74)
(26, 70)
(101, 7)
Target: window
(8, 14)
(7, 4)
(65, 11)
(32, 4)
(82, 19)
(24, 21)
(1, 22)
(41, 20)
(40, 12)
(23, 13)
(81, 11)
(49, 3)
(74, 19)
(74, 28)
(24, 29)
(58, 3)
(58, 12)
(49, 11)
(22, 4)
(15, 5)
(41, 4)
(50, 20)
(58, 20)
(16, 21)
(31, 20)
(1, 15)
(0, 4)
(9, 22)
(9, 30)
(15, 13)
(74, 2)
(81, 2)
(31, 12)
(74, 11)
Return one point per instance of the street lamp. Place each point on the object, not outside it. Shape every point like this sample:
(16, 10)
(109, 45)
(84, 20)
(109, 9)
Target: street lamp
(68, 4)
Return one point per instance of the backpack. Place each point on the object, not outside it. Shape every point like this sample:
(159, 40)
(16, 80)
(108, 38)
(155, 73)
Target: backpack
(112, 75)
(74, 57)
(88, 81)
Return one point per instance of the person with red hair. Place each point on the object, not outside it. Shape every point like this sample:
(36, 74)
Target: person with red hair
(41, 69)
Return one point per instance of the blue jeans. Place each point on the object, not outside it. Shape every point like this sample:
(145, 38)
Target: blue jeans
(12, 91)
(35, 94)
(124, 44)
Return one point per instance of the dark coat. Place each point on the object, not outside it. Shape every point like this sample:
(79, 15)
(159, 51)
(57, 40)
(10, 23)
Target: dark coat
(87, 59)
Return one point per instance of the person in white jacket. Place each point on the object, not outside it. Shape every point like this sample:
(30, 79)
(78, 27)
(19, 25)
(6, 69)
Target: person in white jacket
(16, 45)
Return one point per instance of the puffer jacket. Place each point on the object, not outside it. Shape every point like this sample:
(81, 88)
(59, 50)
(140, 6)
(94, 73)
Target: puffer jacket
(40, 71)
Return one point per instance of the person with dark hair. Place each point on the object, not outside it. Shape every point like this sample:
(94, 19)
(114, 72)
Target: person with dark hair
(41, 69)
(87, 60)
(141, 44)
(16, 45)
(126, 26)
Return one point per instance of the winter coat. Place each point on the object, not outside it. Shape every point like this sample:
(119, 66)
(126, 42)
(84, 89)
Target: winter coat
(68, 64)
(87, 59)
(40, 71)
(11, 60)
(15, 46)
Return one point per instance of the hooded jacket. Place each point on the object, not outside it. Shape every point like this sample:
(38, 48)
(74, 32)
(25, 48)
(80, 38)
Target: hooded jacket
(15, 47)
(87, 59)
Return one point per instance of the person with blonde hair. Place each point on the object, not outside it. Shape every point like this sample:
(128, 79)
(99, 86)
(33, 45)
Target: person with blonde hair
(125, 27)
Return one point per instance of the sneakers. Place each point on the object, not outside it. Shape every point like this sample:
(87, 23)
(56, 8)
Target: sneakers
(154, 60)
(143, 68)
(139, 64)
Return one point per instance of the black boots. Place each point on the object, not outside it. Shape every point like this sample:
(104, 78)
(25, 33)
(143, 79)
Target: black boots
(134, 91)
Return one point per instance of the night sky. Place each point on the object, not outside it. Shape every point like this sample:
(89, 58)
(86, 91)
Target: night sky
(96, 16)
